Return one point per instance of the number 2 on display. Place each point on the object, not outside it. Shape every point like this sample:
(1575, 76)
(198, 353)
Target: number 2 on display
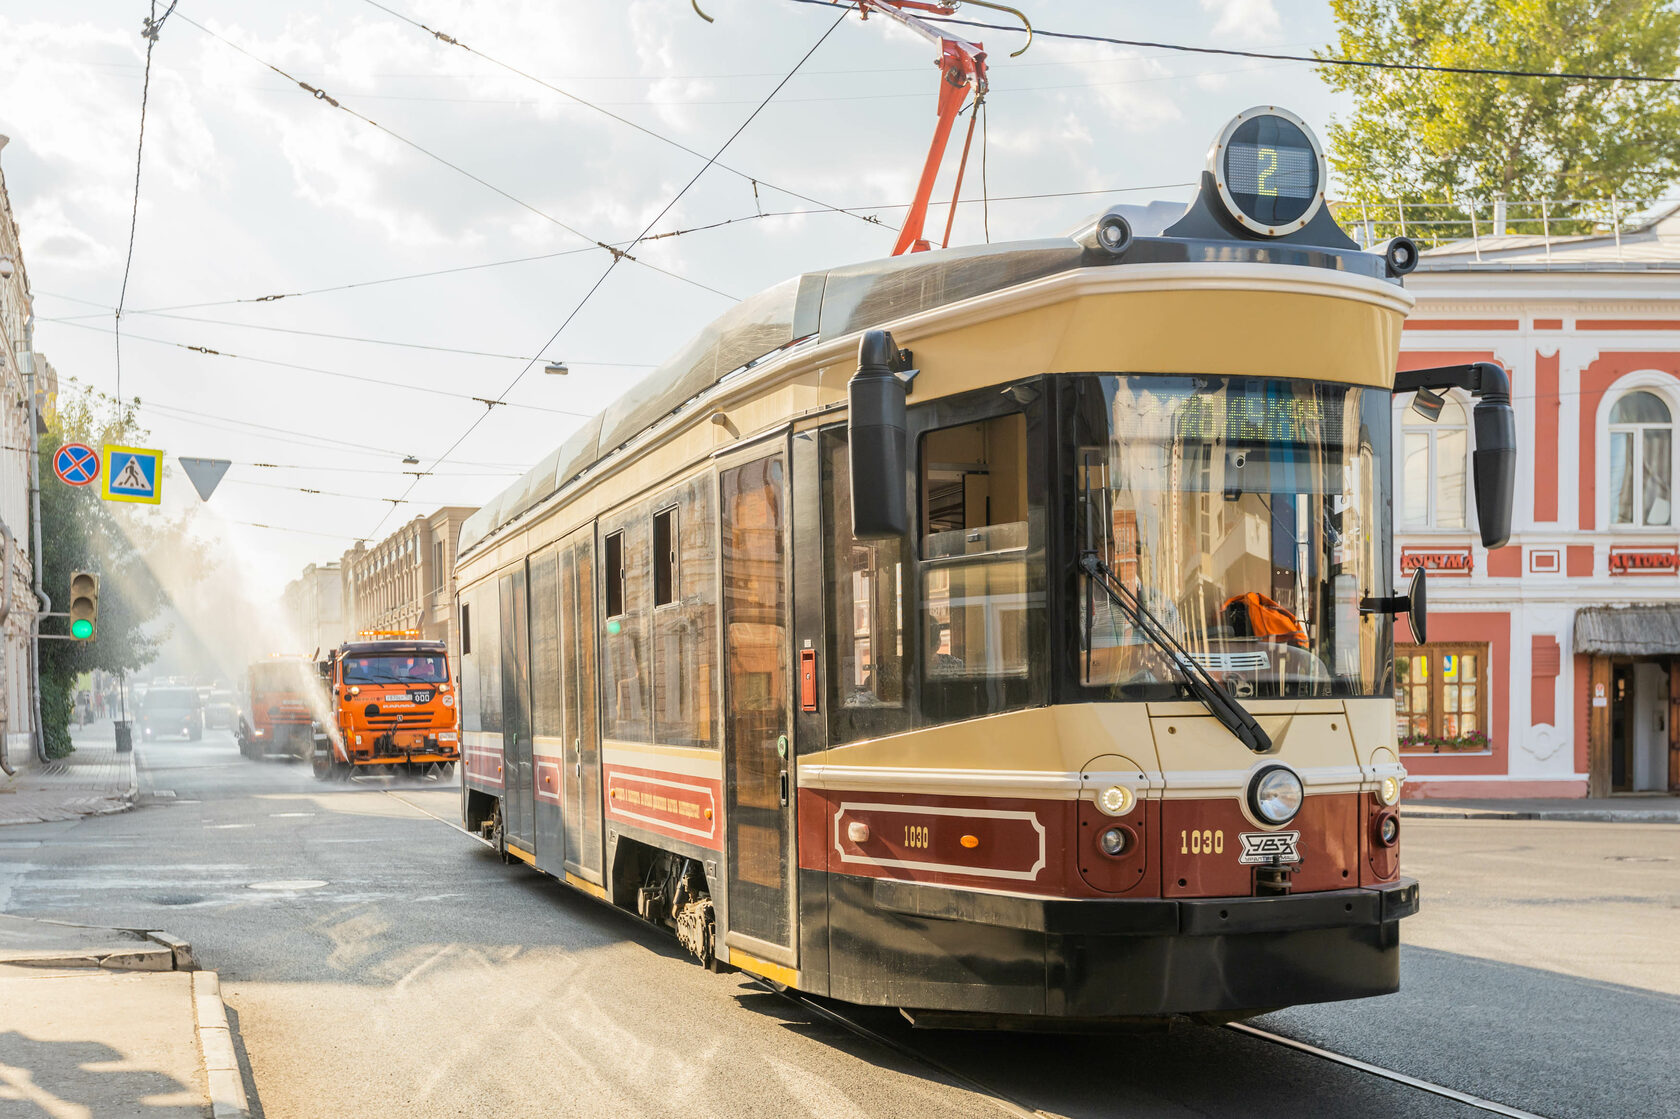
(1267, 172)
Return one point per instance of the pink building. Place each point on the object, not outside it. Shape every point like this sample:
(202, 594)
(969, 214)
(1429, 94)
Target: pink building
(1553, 666)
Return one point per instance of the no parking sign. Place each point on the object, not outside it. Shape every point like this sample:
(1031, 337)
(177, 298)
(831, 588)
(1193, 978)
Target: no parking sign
(76, 464)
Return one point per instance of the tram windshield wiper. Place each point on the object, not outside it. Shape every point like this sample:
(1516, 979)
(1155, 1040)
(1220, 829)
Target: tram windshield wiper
(1221, 704)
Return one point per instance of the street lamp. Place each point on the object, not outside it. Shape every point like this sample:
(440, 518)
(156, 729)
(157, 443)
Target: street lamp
(6, 267)
(557, 368)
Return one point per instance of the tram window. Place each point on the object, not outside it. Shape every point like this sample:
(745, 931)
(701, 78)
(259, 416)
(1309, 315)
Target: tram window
(489, 658)
(613, 570)
(468, 682)
(685, 628)
(546, 715)
(865, 606)
(625, 670)
(975, 601)
(974, 487)
(665, 557)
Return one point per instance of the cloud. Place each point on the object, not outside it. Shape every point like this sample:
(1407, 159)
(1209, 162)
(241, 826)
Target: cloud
(1254, 18)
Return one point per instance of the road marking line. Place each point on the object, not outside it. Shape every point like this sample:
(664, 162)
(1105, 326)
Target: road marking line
(1387, 1074)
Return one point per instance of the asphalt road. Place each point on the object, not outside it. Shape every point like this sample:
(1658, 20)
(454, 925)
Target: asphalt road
(377, 962)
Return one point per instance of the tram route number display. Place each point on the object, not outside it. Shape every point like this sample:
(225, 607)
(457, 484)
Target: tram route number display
(1271, 171)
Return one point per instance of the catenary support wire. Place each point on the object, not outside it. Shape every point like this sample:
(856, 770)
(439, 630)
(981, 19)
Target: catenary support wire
(614, 263)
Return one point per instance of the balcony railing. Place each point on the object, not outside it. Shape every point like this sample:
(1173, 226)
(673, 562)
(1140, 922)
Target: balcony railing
(1507, 226)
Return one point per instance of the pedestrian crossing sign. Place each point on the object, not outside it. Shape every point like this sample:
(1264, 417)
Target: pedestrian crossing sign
(132, 474)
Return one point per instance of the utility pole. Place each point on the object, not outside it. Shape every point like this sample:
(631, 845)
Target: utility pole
(43, 604)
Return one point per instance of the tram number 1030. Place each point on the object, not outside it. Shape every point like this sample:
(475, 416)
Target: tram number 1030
(1203, 842)
(915, 836)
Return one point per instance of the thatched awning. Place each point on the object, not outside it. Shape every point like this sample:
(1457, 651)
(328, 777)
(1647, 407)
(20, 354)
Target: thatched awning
(1628, 630)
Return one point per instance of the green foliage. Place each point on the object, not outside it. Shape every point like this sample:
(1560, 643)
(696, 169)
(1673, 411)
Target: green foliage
(81, 531)
(1470, 138)
(1475, 740)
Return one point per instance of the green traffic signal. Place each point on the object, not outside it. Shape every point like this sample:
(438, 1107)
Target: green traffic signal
(84, 604)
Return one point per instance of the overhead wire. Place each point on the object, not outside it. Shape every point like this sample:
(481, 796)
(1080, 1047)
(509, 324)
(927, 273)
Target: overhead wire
(1312, 60)
(346, 338)
(210, 351)
(322, 95)
(305, 439)
(986, 199)
(645, 231)
(442, 37)
(149, 32)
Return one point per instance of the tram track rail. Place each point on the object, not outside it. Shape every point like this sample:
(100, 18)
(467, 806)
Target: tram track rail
(1012, 1106)
(1465, 1098)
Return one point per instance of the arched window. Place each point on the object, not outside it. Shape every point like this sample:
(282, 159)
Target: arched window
(1432, 488)
(1641, 461)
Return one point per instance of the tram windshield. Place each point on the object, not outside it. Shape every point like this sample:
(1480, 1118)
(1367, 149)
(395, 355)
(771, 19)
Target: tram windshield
(1249, 516)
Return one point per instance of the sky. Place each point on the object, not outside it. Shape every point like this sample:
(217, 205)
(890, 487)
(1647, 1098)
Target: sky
(499, 188)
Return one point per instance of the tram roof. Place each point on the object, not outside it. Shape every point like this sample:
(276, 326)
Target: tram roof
(852, 298)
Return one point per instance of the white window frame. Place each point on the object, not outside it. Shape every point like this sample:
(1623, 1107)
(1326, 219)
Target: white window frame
(1665, 387)
(1406, 420)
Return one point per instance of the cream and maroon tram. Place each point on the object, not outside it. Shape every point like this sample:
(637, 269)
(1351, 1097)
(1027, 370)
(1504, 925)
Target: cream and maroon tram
(1001, 632)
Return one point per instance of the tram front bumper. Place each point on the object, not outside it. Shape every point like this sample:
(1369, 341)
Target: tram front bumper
(1365, 905)
(1098, 958)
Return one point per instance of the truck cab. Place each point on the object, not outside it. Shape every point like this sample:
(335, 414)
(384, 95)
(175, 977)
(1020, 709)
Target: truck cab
(393, 703)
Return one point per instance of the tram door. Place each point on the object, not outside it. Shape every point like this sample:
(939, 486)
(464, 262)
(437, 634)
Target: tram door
(758, 756)
(516, 709)
(582, 777)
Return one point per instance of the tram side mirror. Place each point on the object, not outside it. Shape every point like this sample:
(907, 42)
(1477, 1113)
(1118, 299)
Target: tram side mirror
(878, 431)
(1494, 467)
(1429, 405)
(1417, 607)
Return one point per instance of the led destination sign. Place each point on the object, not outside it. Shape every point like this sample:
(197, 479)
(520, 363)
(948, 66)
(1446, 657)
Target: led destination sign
(1252, 415)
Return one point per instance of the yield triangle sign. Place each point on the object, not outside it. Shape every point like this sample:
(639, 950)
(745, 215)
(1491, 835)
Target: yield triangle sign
(204, 473)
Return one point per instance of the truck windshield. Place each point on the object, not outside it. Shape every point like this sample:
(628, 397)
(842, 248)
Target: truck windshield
(396, 668)
(1249, 516)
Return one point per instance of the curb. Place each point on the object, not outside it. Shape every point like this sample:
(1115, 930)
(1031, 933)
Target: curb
(164, 952)
(1587, 816)
(215, 1047)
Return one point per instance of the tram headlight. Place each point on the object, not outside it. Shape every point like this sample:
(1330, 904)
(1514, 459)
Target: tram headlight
(1113, 842)
(1116, 800)
(1388, 829)
(1388, 791)
(1275, 794)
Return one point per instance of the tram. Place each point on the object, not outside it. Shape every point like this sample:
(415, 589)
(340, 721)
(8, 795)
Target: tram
(1001, 633)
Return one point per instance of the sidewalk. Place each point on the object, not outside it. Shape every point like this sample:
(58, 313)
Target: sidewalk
(93, 780)
(111, 1022)
(1606, 810)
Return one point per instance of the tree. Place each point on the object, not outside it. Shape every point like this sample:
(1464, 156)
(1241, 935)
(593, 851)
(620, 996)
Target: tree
(80, 531)
(1442, 143)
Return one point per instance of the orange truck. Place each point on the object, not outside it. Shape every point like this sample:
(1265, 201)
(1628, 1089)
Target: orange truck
(393, 707)
(286, 699)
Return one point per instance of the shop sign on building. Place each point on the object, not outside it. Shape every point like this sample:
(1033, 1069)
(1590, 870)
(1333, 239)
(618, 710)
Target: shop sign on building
(1447, 561)
(1644, 561)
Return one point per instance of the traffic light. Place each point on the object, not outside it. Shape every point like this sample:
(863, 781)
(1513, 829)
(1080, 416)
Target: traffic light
(84, 604)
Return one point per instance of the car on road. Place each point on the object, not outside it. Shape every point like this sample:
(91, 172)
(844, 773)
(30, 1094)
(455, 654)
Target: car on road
(172, 710)
(221, 709)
